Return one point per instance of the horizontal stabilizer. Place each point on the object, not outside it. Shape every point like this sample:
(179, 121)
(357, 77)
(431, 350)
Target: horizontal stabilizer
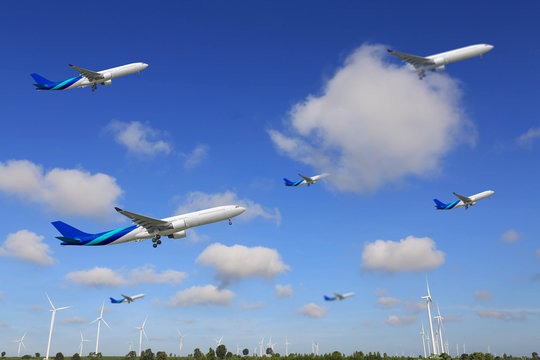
(68, 240)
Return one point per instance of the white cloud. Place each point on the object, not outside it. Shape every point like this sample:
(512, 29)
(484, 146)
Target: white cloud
(28, 246)
(537, 253)
(283, 291)
(73, 320)
(139, 139)
(482, 295)
(313, 310)
(528, 138)
(67, 191)
(237, 262)
(202, 295)
(388, 302)
(451, 318)
(197, 156)
(409, 254)
(511, 236)
(415, 307)
(375, 123)
(400, 320)
(2, 296)
(380, 292)
(245, 306)
(106, 277)
(501, 315)
(3, 324)
(199, 200)
(195, 237)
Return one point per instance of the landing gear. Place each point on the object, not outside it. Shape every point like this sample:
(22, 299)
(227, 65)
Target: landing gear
(230, 222)
(94, 87)
(154, 245)
(156, 241)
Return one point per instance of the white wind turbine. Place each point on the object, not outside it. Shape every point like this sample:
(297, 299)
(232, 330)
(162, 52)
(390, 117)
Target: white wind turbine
(423, 339)
(439, 325)
(317, 348)
(287, 343)
(428, 303)
(261, 343)
(218, 341)
(99, 320)
(270, 345)
(130, 343)
(141, 332)
(237, 350)
(53, 310)
(83, 340)
(20, 341)
(181, 341)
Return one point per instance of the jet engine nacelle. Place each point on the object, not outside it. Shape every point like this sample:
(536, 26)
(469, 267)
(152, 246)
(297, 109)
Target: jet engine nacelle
(178, 235)
(439, 68)
(439, 61)
(179, 225)
(473, 203)
(108, 82)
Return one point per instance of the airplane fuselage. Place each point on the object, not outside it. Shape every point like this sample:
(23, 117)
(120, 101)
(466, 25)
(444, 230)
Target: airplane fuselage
(451, 56)
(460, 203)
(109, 74)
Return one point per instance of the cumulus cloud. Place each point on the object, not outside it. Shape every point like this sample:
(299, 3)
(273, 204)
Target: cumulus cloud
(511, 236)
(27, 246)
(3, 324)
(375, 123)
(67, 191)
(380, 292)
(197, 156)
(73, 320)
(195, 237)
(237, 262)
(139, 139)
(409, 254)
(400, 320)
(106, 277)
(482, 295)
(451, 318)
(202, 295)
(501, 315)
(415, 307)
(388, 302)
(313, 310)
(199, 200)
(529, 137)
(283, 291)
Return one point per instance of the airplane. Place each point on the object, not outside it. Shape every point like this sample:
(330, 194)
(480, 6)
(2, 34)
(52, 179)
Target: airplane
(88, 77)
(338, 296)
(147, 228)
(437, 62)
(128, 299)
(463, 201)
(305, 180)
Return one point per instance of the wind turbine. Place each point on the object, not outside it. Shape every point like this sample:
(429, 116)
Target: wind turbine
(428, 303)
(53, 310)
(20, 341)
(287, 343)
(439, 324)
(237, 350)
(99, 320)
(141, 331)
(423, 339)
(261, 347)
(181, 341)
(81, 345)
(317, 348)
(130, 343)
(270, 345)
(218, 341)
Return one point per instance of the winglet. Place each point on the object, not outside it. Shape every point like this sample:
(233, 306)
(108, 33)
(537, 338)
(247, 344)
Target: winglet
(118, 209)
(390, 50)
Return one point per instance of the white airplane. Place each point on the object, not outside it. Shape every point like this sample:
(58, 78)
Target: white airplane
(88, 77)
(148, 228)
(463, 201)
(437, 62)
(338, 296)
(128, 299)
(305, 180)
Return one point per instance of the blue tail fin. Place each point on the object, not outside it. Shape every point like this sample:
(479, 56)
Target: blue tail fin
(329, 298)
(69, 231)
(288, 182)
(114, 301)
(42, 82)
(439, 204)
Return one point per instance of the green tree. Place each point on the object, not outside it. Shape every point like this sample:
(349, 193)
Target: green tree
(37, 355)
(197, 354)
(211, 355)
(269, 351)
(76, 356)
(59, 356)
(25, 357)
(245, 352)
(535, 355)
(221, 351)
(92, 354)
(161, 355)
(131, 355)
(229, 355)
(3, 353)
(147, 355)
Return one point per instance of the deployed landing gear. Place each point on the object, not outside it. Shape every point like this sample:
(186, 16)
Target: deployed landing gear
(230, 222)
(154, 245)
(156, 241)
(94, 87)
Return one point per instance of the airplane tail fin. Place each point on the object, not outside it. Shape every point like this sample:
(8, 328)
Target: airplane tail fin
(41, 82)
(68, 231)
(114, 301)
(439, 204)
(329, 298)
(288, 182)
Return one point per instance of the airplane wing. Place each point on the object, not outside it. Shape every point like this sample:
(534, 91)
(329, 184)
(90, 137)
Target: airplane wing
(465, 199)
(339, 296)
(129, 299)
(150, 224)
(90, 75)
(415, 61)
(308, 179)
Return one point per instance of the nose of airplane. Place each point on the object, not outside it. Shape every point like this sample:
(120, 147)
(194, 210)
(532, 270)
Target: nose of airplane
(241, 210)
(144, 65)
(489, 47)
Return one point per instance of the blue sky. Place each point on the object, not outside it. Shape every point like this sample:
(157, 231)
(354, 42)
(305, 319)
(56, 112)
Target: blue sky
(223, 80)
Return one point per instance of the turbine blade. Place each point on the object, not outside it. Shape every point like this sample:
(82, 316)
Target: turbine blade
(144, 332)
(105, 323)
(50, 302)
(91, 322)
(62, 308)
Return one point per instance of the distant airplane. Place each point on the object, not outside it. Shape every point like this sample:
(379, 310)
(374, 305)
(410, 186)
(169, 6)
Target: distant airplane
(305, 180)
(463, 201)
(338, 296)
(128, 299)
(146, 227)
(437, 62)
(88, 77)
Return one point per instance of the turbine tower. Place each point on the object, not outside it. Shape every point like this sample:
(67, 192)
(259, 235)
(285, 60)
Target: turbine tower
(53, 310)
(261, 347)
(99, 320)
(287, 343)
(428, 303)
(141, 332)
(181, 341)
(81, 345)
(270, 345)
(423, 339)
(20, 341)
(439, 325)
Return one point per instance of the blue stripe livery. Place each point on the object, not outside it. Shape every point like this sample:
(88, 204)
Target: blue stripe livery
(44, 84)
(73, 236)
(442, 206)
(290, 183)
(114, 301)
(329, 298)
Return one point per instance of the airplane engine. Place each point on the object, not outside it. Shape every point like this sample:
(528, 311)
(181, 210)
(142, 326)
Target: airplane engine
(178, 235)
(179, 225)
(108, 82)
(439, 61)
(473, 203)
(439, 68)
